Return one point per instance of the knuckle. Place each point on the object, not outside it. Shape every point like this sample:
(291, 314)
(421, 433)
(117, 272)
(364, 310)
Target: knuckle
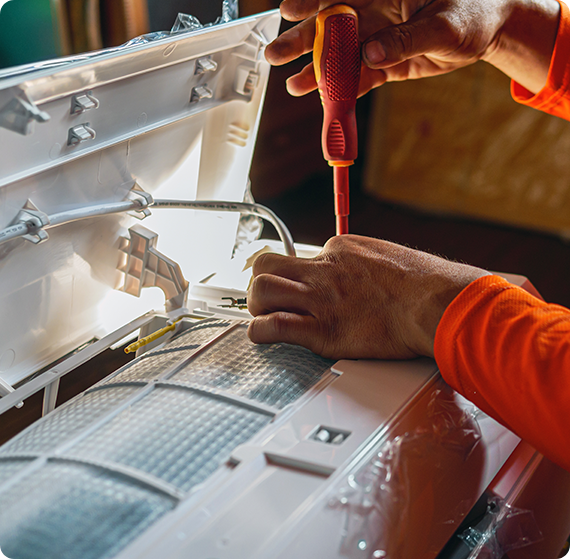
(333, 242)
(280, 324)
(448, 30)
(402, 39)
(253, 331)
(260, 286)
(334, 245)
(260, 263)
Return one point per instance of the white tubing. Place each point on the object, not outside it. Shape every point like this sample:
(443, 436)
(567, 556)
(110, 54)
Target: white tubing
(241, 207)
(24, 228)
(13, 232)
(21, 229)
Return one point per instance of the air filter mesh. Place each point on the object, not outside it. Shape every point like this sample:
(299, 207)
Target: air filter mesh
(57, 428)
(77, 511)
(154, 363)
(116, 458)
(173, 434)
(274, 374)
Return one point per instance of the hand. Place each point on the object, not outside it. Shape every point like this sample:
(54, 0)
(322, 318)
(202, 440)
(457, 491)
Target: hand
(360, 298)
(409, 39)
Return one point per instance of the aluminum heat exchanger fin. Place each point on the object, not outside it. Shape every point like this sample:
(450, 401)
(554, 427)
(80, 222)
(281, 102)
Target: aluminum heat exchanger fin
(96, 473)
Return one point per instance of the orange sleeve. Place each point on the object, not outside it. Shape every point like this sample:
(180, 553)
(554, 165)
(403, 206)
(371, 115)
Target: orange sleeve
(554, 97)
(509, 353)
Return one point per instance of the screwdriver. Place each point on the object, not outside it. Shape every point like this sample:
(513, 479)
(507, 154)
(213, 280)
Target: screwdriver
(336, 60)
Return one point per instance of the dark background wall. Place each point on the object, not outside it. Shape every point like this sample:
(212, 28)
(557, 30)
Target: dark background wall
(162, 13)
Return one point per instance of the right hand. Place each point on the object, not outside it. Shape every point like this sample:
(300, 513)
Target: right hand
(409, 39)
(360, 298)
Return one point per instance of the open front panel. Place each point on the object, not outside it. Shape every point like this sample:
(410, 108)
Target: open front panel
(174, 118)
(93, 475)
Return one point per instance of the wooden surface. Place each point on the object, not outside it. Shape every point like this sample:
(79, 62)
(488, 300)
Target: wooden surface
(460, 144)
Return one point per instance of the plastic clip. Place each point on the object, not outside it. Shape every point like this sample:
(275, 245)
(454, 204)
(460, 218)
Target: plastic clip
(143, 198)
(82, 103)
(35, 220)
(20, 114)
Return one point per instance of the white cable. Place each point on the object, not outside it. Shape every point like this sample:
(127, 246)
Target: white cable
(24, 228)
(93, 211)
(13, 232)
(241, 207)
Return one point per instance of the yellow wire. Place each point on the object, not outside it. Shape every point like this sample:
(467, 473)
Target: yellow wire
(148, 339)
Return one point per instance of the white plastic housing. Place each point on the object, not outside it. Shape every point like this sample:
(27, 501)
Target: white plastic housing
(161, 121)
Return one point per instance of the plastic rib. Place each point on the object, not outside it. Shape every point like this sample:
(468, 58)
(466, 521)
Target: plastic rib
(144, 478)
(224, 396)
(65, 367)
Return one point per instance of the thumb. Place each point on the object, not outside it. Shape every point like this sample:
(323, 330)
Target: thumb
(423, 34)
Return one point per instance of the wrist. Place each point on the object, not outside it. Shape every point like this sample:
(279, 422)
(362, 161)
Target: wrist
(445, 289)
(523, 46)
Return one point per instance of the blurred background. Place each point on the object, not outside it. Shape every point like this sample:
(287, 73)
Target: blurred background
(450, 164)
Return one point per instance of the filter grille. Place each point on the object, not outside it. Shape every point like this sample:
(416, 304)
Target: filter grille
(57, 428)
(67, 511)
(115, 459)
(154, 363)
(10, 468)
(173, 434)
(274, 374)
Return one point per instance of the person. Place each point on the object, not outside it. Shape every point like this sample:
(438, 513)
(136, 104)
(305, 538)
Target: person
(505, 350)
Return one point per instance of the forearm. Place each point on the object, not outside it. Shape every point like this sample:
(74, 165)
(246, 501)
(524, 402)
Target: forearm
(523, 47)
(509, 353)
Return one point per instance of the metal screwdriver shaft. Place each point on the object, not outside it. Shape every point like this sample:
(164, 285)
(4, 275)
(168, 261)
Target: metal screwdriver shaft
(336, 59)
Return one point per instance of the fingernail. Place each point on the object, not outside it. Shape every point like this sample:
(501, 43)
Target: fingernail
(375, 53)
(289, 84)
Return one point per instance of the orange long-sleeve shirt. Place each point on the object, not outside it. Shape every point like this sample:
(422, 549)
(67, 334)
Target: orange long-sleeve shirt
(503, 349)
(554, 97)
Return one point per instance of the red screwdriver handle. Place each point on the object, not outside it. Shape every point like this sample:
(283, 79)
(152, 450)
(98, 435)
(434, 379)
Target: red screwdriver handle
(336, 59)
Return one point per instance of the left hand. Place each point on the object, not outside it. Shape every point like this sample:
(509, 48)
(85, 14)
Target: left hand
(422, 38)
(359, 298)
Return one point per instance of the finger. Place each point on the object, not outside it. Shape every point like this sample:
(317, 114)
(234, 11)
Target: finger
(288, 267)
(369, 79)
(302, 83)
(292, 44)
(286, 328)
(296, 10)
(419, 67)
(269, 293)
(427, 32)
